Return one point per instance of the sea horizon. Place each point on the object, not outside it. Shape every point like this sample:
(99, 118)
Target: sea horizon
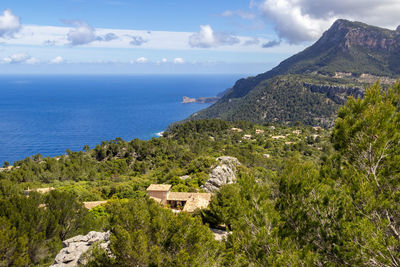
(49, 114)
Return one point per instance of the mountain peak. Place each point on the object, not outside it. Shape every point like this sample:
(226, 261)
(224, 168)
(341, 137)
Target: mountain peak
(347, 34)
(342, 22)
(347, 46)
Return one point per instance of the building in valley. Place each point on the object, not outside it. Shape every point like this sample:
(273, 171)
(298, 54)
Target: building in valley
(184, 201)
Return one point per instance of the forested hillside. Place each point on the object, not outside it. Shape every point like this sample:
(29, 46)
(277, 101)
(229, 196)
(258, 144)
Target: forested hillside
(304, 195)
(347, 57)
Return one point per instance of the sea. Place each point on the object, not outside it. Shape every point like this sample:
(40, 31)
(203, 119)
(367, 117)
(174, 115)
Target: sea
(50, 114)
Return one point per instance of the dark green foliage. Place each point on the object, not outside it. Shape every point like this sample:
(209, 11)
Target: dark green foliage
(144, 234)
(225, 207)
(31, 234)
(367, 137)
(345, 214)
(13, 247)
(124, 171)
(69, 214)
(283, 99)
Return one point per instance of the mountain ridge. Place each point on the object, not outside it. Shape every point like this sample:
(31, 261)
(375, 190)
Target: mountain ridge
(353, 54)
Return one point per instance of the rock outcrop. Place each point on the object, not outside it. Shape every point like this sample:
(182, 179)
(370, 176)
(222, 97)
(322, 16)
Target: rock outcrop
(220, 235)
(223, 173)
(186, 100)
(337, 93)
(75, 247)
(201, 100)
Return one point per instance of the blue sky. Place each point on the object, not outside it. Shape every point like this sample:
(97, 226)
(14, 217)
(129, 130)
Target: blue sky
(169, 36)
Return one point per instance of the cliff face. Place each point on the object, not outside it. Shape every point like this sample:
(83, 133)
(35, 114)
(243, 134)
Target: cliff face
(336, 93)
(349, 34)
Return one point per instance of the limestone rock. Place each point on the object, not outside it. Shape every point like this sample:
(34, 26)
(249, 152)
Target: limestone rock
(76, 246)
(223, 173)
(220, 235)
(337, 93)
(186, 100)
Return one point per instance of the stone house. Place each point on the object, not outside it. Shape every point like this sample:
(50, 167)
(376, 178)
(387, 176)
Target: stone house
(182, 201)
(159, 192)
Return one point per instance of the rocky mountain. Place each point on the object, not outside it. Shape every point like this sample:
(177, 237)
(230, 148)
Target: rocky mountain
(311, 85)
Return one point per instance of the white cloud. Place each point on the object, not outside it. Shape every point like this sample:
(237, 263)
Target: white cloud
(20, 58)
(179, 60)
(9, 24)
(49, 43)
(227, 13)
(141, 60)
(207, 38)
(31, 60)
(376, 12)
(290, 22)
(240, 13)
(305, 20)
(164, 60)
(57, 60)
(271, 43)
(107, 37)
(82, 34)
(253, 41)
(253, 3)
(44, 36)
(137, 41)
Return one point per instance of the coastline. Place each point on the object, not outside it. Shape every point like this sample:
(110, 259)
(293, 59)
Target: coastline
(160, 134)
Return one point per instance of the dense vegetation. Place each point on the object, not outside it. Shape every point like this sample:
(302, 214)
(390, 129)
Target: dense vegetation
(31, 234)
(122, 169)
(287, 99)
(308, 197)
(343, 212)
(341, 57)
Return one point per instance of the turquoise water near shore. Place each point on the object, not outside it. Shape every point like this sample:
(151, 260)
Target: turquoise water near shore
(49, 114)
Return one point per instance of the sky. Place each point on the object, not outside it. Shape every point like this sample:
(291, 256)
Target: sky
(169, 36)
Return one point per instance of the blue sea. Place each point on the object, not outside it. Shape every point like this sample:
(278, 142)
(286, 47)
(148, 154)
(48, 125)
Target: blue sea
(49, 114)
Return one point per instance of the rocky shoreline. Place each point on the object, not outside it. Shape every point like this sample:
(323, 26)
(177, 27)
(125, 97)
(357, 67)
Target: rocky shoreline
(200, 100)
